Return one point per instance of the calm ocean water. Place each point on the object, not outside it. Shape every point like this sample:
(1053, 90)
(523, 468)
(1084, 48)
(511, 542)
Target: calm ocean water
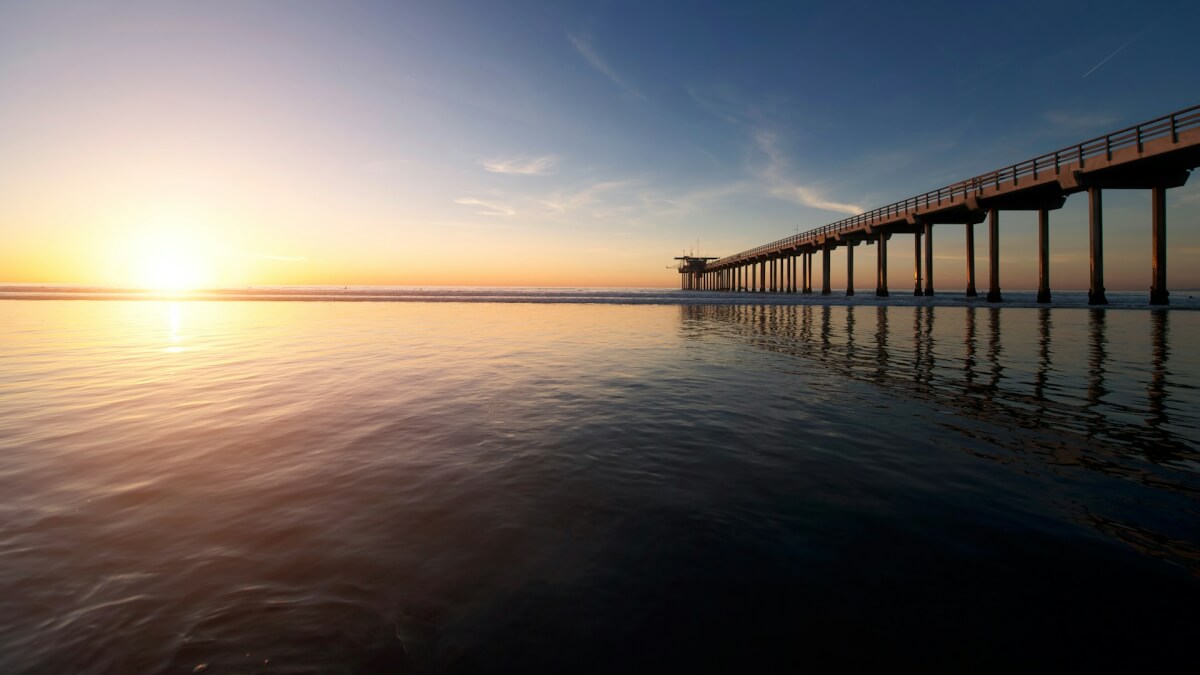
(595, 481)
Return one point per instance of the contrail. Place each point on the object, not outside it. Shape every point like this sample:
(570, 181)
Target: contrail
(1111, 55)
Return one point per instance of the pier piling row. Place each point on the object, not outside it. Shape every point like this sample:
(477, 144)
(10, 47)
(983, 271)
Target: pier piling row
(1156, 155)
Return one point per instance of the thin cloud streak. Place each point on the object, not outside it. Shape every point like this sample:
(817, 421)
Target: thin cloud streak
(490, 208)
(522, 166)
(585, 50)
(1118, 51)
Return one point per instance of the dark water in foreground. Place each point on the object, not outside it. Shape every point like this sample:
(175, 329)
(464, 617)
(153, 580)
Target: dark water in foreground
(413, 487)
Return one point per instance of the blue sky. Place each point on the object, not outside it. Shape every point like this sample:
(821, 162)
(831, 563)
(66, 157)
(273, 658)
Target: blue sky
(561, 143)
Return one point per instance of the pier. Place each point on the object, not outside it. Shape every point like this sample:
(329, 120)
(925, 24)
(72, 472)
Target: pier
(1155, 155)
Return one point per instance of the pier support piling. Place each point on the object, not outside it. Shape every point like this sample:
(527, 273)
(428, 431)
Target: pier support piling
(917, 264)
(1043, 294)
(825, 271)
(881, 288)
(1096, 248)
(850, 267)
(971, 261)
(994, 256)
(928, 258)
(1158, 246)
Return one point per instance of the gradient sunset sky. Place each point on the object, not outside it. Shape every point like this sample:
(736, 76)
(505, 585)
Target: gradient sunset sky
(556, 143)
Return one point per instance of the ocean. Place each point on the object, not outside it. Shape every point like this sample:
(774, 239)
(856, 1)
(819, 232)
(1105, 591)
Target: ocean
(595, 481)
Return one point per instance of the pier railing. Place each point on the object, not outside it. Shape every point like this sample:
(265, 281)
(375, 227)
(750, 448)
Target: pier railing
(1168, 126)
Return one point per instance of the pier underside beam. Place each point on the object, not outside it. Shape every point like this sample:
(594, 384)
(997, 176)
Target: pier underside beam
(948, 215)
(1049, 196)
(1141, 177)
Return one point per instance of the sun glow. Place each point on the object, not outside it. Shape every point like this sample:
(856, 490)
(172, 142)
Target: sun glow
(170, 272)
(171, 261)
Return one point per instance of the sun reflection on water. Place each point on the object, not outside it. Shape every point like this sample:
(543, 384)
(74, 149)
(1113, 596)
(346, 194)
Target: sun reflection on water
(174, 329)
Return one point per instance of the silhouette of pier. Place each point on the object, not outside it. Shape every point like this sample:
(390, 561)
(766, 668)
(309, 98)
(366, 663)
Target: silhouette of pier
(1155, 155)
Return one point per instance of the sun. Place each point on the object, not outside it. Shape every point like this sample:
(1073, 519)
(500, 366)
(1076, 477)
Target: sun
(171, 261)
(172, 272)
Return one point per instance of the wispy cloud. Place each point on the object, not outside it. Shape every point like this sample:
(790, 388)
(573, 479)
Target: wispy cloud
(623, 203)
(584, 47)
(524, 166)
(1079, 121)
(697, 199)
(1115, 52)
(570, 201)
(778, 184)
(488, 208)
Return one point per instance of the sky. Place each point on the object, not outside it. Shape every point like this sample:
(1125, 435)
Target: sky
(556, 143)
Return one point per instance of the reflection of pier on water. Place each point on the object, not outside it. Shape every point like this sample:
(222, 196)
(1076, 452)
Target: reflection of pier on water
(1057, 391)
(1030, 369)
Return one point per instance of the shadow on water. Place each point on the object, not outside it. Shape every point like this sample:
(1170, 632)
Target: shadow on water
(1039, 387)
